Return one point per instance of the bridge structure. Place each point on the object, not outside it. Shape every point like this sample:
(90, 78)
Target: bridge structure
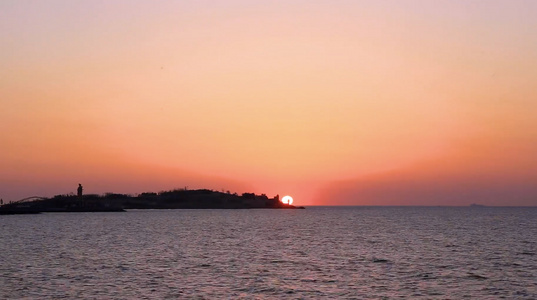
(30, 199)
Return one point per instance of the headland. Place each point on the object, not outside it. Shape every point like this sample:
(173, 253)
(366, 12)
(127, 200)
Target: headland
(174, 199)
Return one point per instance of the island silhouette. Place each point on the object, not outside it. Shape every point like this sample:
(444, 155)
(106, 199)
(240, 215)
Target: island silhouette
(173, 199)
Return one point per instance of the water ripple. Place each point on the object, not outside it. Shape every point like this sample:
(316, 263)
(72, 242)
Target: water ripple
(357, 253)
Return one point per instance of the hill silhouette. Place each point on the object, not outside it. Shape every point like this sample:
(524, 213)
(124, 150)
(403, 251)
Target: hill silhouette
(173, 199)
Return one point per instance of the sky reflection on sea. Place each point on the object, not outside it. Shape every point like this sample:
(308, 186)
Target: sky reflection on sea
(320, 252)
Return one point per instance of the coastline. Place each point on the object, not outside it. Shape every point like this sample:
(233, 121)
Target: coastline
(175, 199)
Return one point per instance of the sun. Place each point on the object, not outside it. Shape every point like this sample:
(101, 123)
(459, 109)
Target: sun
(287, 200)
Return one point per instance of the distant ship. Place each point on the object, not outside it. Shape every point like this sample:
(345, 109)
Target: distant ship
(477, 205)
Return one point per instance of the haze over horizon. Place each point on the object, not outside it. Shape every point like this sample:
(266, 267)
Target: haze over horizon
(332, 102)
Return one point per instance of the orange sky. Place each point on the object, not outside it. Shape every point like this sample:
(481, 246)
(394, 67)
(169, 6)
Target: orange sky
(332, 102)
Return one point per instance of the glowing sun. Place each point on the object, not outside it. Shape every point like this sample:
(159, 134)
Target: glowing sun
(287, 200)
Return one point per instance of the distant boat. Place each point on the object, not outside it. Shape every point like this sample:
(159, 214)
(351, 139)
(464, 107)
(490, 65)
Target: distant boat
(477, 205)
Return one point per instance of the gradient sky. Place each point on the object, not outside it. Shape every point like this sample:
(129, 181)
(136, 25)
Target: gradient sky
(333, 102)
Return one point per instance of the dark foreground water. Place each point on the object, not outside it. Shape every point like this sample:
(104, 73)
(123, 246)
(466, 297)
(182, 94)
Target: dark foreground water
(353, 252)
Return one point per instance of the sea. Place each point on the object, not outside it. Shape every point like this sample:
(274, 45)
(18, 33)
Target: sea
(314, 253)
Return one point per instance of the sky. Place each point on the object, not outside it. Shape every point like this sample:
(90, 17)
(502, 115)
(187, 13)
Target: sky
(332, 102)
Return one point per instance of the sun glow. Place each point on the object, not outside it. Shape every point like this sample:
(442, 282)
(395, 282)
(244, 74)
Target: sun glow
(287, 200)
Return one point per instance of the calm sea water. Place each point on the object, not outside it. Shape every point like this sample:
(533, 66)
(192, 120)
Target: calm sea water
(320, 252)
